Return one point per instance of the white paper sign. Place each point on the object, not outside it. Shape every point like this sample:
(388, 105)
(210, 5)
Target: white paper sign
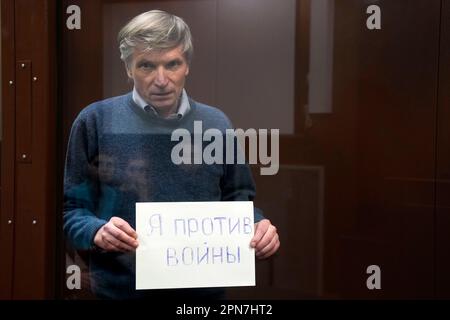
(194, 244)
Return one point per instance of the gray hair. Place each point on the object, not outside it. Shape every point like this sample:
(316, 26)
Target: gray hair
(155, 30)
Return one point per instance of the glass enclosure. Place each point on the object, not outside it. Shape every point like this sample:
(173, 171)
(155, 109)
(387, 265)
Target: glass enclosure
(356, 111)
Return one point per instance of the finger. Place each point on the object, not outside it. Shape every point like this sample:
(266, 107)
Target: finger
(268, 247)
(125, 227)
(117, 243)
(268, 236)
(271, 252)
(120, 235)
(260, 230)
(109, 246)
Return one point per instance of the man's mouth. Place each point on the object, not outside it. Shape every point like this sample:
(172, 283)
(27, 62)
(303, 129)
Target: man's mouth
(161, 94)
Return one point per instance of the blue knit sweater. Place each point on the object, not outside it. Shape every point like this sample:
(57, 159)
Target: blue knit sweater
(118, 155)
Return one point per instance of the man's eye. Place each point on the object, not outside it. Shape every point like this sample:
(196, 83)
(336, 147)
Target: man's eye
(173, 64)
(147, 66)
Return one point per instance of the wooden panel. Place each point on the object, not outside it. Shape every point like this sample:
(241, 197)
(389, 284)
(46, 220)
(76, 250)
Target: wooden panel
(395, 152)
(297, 212)
(8, 151)
(377, 149)
(34, 261)
(82, 52)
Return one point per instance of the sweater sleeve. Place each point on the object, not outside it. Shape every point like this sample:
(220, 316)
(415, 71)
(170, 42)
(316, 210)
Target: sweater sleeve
(79, 221)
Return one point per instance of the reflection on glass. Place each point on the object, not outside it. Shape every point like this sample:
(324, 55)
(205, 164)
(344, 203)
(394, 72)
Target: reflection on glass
(320, 77)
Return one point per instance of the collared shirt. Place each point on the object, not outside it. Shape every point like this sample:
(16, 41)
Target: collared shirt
(183, 107)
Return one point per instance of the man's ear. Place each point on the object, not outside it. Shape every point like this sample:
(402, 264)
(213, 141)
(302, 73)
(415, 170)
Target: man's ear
(187, 71)
(129, 73)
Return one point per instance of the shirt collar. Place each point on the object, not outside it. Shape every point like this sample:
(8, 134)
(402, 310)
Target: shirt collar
(183, 107)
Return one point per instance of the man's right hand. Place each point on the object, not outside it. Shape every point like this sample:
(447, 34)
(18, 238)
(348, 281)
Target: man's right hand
(116, 235)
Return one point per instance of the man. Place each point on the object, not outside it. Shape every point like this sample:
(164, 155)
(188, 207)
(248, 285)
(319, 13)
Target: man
(156, 48)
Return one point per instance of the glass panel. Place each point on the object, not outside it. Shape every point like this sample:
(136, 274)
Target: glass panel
(355, 108)
(253, 86)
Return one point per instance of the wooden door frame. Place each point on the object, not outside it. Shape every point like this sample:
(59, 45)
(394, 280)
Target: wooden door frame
(28, 216)
(7, 157)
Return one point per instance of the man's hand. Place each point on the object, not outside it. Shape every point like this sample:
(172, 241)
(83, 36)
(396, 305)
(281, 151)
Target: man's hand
(116, 235)
(265, 241)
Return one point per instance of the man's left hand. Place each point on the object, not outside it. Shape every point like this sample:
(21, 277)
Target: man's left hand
(265, 241)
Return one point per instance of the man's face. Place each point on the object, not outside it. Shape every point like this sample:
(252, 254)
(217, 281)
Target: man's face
(159, 77)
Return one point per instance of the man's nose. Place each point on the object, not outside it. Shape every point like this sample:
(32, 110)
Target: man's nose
(161, 78)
